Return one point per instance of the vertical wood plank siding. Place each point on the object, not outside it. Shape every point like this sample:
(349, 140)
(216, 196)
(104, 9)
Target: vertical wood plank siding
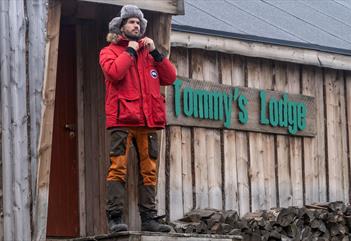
(96, 139)
(37, 16)
(348, 117)
(22, 46)
(40, 212)
(229, 151)
(180, 179)
(295, 144)
(261, 171)
(336, 130)
(208, 176)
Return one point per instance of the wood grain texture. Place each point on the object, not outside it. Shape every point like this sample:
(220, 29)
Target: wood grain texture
(5, 122)
(230, 161)
(159, 30)
(241, 139)
(91, 76)
(80, 133)
(45, 137)
(230, 171)
(88, 127)
(258, 198)
(166, 6)
(103, 153)
(348, 111)
(291, 179)
(253, 107)
(96, 139)
(266, 82)
(37, 17)
(214, 165)
(295, 143)
(206, 68)
(201, 70)
(282, 145)
(175, 175)
(336, 142)
(261, 147)
(187, 171)
(179, 58)
(161, 176)
(321, 148)
(201, 187)
(344, 155)
(310, 158)
(131, 210)
(16, 173)
(261, 50)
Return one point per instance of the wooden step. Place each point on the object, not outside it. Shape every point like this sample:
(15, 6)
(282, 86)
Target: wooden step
(148, 236)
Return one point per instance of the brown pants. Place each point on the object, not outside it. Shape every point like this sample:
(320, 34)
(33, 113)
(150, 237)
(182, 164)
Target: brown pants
(145, 141)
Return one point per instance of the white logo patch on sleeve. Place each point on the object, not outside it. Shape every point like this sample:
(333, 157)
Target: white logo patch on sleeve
(153, 73)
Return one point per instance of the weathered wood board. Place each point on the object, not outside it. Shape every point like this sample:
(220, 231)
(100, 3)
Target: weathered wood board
(270, 168)
(194, 96)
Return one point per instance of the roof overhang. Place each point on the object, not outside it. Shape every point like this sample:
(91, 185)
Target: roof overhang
(175, 7)
(261, 50)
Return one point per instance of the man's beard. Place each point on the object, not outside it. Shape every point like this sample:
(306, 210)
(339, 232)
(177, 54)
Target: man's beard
(132, 37)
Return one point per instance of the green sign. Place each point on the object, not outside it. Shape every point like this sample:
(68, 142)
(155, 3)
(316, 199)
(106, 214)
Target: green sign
(212, 105)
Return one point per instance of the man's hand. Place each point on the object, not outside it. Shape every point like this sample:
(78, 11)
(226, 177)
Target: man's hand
(134, 45)
(148, 43)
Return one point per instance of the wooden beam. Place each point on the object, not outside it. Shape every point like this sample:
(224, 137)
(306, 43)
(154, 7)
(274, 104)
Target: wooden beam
(37, 14)
(80, 120)
(165, 6)
(159, 30)
(47, 121)
(261, 50)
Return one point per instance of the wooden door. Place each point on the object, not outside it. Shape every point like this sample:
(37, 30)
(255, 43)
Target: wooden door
(63, 211)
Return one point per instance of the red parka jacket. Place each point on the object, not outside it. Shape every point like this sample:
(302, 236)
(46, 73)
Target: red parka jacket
(133, 86)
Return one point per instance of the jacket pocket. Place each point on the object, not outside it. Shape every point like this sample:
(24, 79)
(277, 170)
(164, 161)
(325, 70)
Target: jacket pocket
(158, 109)
(118, 143)
(153, 145)
(128, 110)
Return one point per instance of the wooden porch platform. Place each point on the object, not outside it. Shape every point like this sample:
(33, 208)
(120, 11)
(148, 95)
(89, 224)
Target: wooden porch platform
(146, 236)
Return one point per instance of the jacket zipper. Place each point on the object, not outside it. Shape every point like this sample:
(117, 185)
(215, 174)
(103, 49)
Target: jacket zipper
(119, 108)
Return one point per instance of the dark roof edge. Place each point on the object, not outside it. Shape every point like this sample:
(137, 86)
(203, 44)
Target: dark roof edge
(253, 38)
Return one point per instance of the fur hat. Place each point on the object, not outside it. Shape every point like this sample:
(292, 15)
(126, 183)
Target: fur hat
(128, 11)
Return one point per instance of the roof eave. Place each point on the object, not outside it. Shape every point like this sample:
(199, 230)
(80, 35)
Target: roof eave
(268, 50)
(258, 39)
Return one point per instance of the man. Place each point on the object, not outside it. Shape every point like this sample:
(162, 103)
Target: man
(135, 109)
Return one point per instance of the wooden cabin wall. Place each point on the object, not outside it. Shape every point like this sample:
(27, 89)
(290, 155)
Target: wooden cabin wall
(94, 147)
(1, 192)
(95, 160)
(247, 171)
(22, 55)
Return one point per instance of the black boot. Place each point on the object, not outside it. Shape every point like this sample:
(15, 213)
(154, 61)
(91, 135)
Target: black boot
(114, 207)
(152, 223)
(148, 213)
(115, 223)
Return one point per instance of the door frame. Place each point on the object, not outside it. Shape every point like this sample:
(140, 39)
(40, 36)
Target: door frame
(47, 122)
(40, 216)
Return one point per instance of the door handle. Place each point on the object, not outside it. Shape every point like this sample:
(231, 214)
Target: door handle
(71, 128)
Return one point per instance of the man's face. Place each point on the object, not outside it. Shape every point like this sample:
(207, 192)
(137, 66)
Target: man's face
(131, 29)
